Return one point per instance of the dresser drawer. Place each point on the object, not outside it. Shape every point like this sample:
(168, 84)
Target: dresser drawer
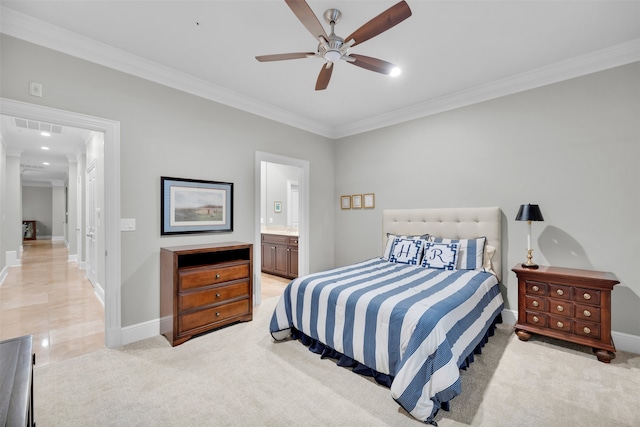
(199, 277)
(277, 239)
(210, 316)
(210, 296)
(587, 296)
(537, 303)
(587, 312)
(587, 329)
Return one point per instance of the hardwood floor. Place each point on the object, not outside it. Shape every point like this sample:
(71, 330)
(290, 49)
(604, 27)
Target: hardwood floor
(50, 298)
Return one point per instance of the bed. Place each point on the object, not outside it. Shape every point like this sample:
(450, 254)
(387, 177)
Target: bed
(413, 317)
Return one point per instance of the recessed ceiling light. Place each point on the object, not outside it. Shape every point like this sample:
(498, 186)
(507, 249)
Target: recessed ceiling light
(45, 134)
(45, 163)
(44, 148)
(396, 71)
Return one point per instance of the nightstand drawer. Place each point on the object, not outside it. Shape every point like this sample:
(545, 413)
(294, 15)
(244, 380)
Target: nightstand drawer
(537, 319)
(537, 288)
(559, 291)
(587, 329)
(560, 323)
(537, 303)
(562, 308)
(587, 296)
(587, 312)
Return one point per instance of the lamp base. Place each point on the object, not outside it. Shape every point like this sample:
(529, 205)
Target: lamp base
(529, 263)
(525, 265)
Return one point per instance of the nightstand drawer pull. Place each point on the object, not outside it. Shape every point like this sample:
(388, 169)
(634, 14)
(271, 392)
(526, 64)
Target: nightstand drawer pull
(560, 292)
(587, 313)
(560, 325)
(586, 296)
(218, 295)
(218, 276)
(535, 303)
(535, 319)
(560, 308)
(586, 330)
(535, 288)
(217, 313)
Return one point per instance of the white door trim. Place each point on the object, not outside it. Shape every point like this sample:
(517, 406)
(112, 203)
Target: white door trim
(303, 229)
(111, 130)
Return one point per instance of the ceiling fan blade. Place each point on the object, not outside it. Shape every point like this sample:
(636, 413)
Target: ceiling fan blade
(324, 76)
(304, 13)
(373, 64)
(381, 23)
(284, 56)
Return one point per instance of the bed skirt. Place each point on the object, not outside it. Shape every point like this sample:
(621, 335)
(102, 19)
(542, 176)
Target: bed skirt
(327, 352)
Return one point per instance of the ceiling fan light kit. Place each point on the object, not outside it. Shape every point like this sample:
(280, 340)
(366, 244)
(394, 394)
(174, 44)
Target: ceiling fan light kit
(333, 48)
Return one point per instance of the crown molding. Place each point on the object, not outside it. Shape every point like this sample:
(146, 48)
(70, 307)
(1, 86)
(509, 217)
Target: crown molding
(35, 31)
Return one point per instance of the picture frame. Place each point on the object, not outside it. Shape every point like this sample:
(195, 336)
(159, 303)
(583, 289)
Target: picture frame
(277, 207)
(356, 201)
(369, 200)
(345, 202)
(195, 206)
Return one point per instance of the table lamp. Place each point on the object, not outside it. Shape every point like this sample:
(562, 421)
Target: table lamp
(529, 213)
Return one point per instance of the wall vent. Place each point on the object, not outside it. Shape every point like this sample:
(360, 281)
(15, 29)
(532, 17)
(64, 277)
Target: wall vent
(38, 126)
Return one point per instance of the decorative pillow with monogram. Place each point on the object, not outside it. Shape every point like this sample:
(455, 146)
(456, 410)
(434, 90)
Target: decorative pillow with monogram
(442, 256)
(470, 252)
(407, 251)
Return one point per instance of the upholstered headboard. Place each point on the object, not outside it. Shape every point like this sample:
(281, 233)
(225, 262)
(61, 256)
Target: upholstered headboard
(454, 223)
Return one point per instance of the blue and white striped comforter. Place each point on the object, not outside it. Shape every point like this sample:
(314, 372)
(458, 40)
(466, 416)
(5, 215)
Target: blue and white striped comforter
(412, 323)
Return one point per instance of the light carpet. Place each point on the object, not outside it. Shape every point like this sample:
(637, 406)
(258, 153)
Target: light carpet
(238, 376)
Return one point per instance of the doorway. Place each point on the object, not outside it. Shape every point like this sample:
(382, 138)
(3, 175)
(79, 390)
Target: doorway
(262, 215)
(111, 201)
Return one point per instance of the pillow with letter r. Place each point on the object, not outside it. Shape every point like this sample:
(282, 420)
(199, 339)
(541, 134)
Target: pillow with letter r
(442, 256)
(470, 252)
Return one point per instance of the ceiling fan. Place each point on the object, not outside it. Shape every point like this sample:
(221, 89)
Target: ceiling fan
(333, 48)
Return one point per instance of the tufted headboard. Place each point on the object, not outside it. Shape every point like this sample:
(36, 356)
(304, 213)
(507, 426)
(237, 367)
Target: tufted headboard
(454, 223)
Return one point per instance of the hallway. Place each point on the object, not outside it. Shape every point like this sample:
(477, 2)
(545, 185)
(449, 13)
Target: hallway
(49, 298)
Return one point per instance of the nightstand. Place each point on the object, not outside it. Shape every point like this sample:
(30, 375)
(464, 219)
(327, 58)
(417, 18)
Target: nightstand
(569, 304)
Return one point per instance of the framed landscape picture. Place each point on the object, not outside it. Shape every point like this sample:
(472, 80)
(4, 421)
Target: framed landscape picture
(195, 206)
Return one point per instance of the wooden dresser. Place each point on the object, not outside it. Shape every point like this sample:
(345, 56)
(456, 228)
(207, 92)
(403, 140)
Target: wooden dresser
(569, 304)
(204, 287)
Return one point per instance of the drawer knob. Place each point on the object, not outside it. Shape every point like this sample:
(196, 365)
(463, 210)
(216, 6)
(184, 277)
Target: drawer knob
(218, 295)
(586, 296)
(560, 324)
(587, 313)
(586, 330)
(218, 276)
(560, 292)
(535, 303)
(535, 288)
(560, 308)
(535, 319)
(217, 313)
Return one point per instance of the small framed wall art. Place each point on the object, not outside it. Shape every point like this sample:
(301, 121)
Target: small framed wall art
(356, 201)
(345, 202)
(369, 200)
(195, 206)
(277, 207)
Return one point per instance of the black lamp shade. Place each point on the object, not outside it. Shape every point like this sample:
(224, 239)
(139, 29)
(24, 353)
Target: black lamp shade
(529, 213)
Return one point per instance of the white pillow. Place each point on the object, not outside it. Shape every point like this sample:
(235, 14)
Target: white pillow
(391, 237)
(407, 251)
(470, 252)
(442, 256)
(487, 266)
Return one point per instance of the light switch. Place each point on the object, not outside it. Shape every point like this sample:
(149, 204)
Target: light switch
(127, 224)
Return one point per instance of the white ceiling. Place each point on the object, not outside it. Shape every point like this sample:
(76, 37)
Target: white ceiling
(452, 53)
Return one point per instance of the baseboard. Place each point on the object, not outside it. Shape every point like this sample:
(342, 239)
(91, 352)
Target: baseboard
(3, 275)
(57, 238)
(622, 341)
(140, 331)
(99, 292)
(12, 259)
(72, 258)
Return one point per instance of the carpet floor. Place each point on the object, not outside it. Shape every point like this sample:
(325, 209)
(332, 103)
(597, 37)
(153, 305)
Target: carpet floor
(238, 376)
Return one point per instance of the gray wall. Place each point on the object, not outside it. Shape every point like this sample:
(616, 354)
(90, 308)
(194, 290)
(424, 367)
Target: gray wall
(165, 132)
(572, 147)
(37, 204)
(276, 177)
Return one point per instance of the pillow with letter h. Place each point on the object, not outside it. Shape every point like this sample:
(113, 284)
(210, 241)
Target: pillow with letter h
(407, 251)
(391, 240)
